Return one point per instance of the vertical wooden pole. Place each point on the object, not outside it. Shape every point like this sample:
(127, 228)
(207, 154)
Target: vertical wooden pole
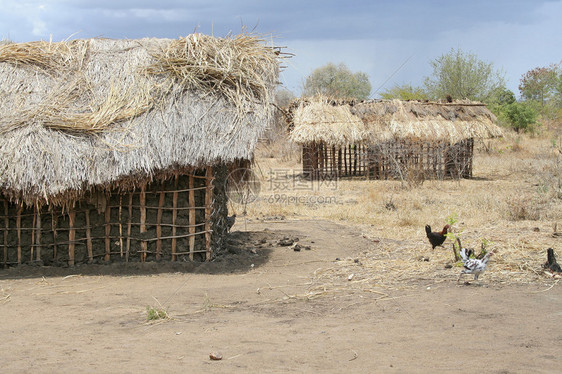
(208, 211)
(354, 160)
(314, 153)
(71, 236)
(107, 256)
(120, 225)
(345, 159)
(159, 224)
(304, 160)
(54, 223)
(326, 160)
(18, 228)
(191, 217)
(38, 236)
(174, 216)
(144, 244)
(32, 247)
(321, 157)
(6, 227)
(129, 226)
(89, 246)
(334, 167)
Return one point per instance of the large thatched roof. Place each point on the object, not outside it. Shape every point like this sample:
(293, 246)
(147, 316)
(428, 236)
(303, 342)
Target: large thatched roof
(341, 122)
(85, 113)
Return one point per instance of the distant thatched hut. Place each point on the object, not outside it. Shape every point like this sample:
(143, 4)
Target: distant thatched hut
(119, 149)
(383, 139)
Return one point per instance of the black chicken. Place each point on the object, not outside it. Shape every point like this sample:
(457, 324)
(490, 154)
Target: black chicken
(551, 263)
(230, 221)
(436, 238)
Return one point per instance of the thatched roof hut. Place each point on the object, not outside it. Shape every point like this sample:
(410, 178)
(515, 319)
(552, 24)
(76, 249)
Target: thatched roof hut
(349, 138)
(348, 122)
(88, 113)
(84, 117)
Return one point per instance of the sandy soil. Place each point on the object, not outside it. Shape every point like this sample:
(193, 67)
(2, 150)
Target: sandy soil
(253, 310)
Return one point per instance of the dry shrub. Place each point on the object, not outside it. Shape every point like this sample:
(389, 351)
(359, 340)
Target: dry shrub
(522, 208)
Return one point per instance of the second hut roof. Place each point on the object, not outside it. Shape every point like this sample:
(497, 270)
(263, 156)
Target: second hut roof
(380, 120)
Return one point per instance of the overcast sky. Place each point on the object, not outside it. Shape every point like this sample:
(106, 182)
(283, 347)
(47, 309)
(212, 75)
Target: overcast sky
(392, 41)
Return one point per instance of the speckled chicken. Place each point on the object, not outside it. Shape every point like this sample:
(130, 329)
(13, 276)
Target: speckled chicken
(473, 265)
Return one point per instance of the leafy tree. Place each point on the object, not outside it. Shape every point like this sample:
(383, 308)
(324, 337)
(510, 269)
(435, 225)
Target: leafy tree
(405, 92)
(521, 116)
(462, 76)
(540, 84)
(337, 81)
(501, 96)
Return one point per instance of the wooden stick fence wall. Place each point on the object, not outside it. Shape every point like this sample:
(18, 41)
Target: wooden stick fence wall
(177, 212)
(396, 159)
(321, 160)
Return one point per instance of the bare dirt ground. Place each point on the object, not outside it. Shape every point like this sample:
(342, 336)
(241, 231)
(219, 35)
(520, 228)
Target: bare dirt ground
(279, 310)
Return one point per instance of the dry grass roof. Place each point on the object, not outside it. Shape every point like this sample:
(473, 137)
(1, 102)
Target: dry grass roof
(86, 113)
(379, 120)
(320, 121)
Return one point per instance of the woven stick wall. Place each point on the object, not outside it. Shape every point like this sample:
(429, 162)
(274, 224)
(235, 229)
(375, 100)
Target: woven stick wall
(170, 219)
(395, 159)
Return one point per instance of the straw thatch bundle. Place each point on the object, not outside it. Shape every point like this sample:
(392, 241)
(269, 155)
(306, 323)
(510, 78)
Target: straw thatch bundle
(431, 121)
(86, 113)
(317, 120)
(325, 121)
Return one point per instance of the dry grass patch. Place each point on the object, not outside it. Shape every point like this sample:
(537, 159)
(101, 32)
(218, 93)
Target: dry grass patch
(511, 205)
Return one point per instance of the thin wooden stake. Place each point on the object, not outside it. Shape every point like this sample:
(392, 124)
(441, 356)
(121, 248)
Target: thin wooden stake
(174, 217)
(38, 237)
(120, 225)
(191, 217)
(144, 244)
(107, 229)
(89, 237)
(6, 228)
(159, 224)
(32, 247)
(129, 225)
(18, 228)
(71, 236)
(208, 211)
(54, 222)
